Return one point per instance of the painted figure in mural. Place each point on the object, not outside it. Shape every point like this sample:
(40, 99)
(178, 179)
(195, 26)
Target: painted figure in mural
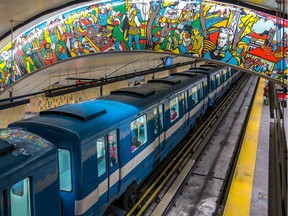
(18, 56)
(264, 68)
(7, 70)
(88, 21)
(37, 35)
(198, 42)
(62, 52)
(103, 16)
(49, 54)
(169, 38)
(117, 32)
(222, 52)
(187, 16)
(165, 31)
(28, 56)
(184, 43)
(133, 31)
(156, 39)
(2, 80)
(241, 50)
(78, 31)
(77, 48)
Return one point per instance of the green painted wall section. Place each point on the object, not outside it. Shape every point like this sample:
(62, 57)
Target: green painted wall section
(211, 30)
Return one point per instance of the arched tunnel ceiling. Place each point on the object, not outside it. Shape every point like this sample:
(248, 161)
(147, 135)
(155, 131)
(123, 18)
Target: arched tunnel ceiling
(20, 14)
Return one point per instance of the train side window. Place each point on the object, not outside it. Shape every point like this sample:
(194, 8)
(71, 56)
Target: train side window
(65, 169)
(113, 153)
(138, 129)
(20, 197)
(174, 109)
(160, 108)
(194, 95)
(101, 156)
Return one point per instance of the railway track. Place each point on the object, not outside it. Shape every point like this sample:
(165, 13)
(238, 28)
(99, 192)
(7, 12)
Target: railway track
(179, 164)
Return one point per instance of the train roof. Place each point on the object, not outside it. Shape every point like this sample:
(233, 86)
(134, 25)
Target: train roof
(19, 147)
(156, 90)
(207, 68)
(92, 116)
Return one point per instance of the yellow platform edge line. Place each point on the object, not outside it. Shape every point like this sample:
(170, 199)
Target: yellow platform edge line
(240, 193)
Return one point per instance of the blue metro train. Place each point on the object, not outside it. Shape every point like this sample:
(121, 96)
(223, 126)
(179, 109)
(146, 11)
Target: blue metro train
(77, 159)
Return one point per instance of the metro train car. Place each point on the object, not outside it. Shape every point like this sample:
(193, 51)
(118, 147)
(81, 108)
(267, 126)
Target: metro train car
(28, 174)
(219, 79)
(108, 146)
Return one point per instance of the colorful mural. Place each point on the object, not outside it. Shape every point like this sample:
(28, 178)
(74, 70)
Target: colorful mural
(213, 30)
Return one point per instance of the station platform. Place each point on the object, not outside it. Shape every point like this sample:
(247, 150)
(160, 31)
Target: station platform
(248, 194)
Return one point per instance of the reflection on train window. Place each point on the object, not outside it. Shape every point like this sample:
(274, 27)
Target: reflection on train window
(160, 108)
(206, 87)
(212, 82)
(186, 100)
(183, 101)
(101, 156)
(20, 198)
(225, 74)
(155, 120)
(229, 71)
(194, 95)
(138, 129)
(174, 109)
(113, 154)
(202, 90)
(65, 170)
(218, 81)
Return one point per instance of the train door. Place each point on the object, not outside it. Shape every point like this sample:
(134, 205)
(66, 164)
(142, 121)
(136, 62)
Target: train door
(185, 106)
(201, 102)
(102, 170)
(218, 81)
(20, 198)
(159, 127)
(204, 94)
(113, 164)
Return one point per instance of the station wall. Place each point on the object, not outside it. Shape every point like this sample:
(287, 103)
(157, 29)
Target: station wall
(40, 103)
